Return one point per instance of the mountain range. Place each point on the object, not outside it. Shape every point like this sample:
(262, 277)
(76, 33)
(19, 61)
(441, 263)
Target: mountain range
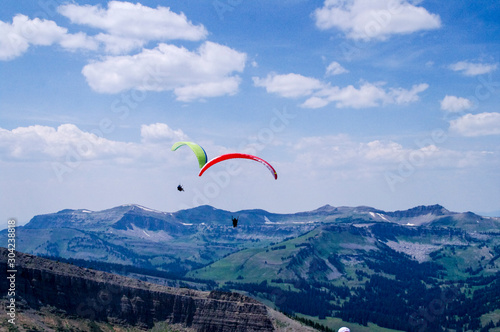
(331, 265)
(133, 234)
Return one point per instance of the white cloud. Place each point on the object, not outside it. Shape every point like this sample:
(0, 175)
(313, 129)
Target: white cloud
(477, 124)
(117, 44)
(367, 95)
(402, 96)
(160, 132)
(321, 94)
(473, 69)
(374, 19)
(288, 85)
(129, 25)
(65, 149)
(42, 143)
(340, 157)
(315, 102)
(225, 86)
(78, 41)
(16, 37)
(335, 68)
(455, 104)
(341, 150)
(207, 72)
(69, 144)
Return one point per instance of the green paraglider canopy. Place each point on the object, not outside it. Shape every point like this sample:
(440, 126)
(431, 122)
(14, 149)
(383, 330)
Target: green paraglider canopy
(198, 151)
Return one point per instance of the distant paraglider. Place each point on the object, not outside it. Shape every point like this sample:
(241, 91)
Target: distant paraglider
(199, 152)
(180, 188)
(235, 221)
(344, 329)
(241, 156)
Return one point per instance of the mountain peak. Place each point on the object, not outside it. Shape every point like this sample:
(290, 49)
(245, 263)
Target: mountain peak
(436, 210)
(326, 208)
(137, 206)
(65, 211)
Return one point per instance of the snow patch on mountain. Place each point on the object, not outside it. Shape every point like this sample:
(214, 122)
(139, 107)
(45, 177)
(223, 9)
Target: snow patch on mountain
(378, 216)
(137, 232)
(269, 222)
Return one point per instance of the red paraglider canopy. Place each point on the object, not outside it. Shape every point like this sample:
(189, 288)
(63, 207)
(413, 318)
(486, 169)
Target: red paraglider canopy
(238, 155)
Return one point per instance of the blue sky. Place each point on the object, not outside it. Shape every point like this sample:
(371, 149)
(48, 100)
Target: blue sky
(385, 103)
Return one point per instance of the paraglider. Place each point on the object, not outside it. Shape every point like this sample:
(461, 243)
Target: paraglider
(344, 329)
(199, 152)
(238, 155)
(180, 188)
(235, 221)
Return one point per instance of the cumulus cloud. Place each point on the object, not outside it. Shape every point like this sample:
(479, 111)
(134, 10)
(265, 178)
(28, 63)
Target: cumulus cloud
(68, 143)
(129, 25)
(191, 75)
(288, 85)
(481, 124)
(402, 96)
(206, 72)
(339, 156)
(335, 68)
(473, 69)
(353, 158)
(160, 132)
(374, 19)
(224, 86)
(67, 148)
(341, 149)
(16, 37)
(39, 143)
(321, 94)
(118, 44)
(126, 27)
(78, 40)
(368, 95)
(455, 104)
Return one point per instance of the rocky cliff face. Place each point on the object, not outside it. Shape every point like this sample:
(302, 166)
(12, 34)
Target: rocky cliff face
(102, 296)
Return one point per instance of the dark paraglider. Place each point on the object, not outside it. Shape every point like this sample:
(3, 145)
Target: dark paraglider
(235, 221)
(180, 188)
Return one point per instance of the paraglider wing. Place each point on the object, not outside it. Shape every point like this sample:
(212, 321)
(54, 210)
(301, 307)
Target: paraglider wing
(238, 155)
(201, 155)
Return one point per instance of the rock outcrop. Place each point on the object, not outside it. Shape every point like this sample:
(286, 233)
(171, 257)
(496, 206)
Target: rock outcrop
(101, 296)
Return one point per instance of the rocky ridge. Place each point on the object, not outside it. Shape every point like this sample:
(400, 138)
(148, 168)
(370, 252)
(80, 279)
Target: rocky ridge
(101, 296)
